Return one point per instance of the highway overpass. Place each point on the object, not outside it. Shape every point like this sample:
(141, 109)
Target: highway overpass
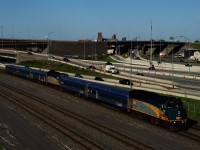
(88, 48)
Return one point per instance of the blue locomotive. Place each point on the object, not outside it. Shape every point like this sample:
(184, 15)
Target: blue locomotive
(158, 109)
(162, 110)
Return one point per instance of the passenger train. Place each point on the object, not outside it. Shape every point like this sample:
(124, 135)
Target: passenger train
(162, 110)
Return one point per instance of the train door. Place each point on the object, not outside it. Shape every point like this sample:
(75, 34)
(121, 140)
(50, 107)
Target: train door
(97, 94)
(86, 91)
(129, 103)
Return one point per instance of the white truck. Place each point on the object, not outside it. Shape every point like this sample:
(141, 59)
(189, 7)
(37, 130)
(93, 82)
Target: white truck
(110, 52)
(111, 69)
(197, 56)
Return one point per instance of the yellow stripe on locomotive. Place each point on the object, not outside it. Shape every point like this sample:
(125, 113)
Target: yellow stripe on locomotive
(52, 80)
(148, 109)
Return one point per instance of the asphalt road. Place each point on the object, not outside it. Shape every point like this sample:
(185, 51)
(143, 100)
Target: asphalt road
(190, 84)
(187, 83)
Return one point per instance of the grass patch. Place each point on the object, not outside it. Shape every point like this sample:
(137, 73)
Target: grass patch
(107, 59)
(193, 108)
(51, 65)
(143, 56)
(195, 45)
(125, 55)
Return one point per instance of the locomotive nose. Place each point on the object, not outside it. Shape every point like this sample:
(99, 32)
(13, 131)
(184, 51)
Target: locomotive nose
(177, 114)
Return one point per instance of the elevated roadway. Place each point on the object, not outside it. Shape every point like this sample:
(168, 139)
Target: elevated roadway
(89, 47)
(122, 47)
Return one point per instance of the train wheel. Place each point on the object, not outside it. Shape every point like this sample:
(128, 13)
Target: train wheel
(155, 120)
(79, 94)
(60, 88)
(165, 124)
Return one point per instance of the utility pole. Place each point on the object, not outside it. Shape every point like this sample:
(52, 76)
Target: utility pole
(131, 65)
(151, 46)
(48, 44)
(173, 65)
(84, 51)
(173, 40)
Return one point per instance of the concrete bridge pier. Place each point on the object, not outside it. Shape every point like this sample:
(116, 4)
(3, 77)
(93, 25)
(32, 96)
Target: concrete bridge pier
(26, 57)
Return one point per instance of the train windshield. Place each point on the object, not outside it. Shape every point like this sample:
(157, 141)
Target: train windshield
(53, 73)
(174, 104)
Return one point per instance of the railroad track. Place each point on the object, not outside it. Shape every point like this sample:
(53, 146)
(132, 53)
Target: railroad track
(59, 124)
(193, 133)
(51, 120)
(196, 127)
(190, 136)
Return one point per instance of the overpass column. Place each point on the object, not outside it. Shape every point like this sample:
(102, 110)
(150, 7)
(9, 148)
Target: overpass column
(18, 58)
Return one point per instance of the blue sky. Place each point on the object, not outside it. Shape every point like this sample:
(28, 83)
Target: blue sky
(83, 19)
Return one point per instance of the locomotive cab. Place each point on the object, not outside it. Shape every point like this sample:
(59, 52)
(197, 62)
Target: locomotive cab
(176, 114)
(53, 78)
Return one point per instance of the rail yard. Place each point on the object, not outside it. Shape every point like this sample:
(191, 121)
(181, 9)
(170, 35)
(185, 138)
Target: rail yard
(99, 75)
(57, 114)
(64, 115)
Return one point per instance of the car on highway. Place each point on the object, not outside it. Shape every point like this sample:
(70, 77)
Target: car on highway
(109, 63)
(77, 75)
(98, 79)
(159, 62)
(64, 74)
(188, 65)
(91, 67)
(139, 74)
(125, 81)
(152, 68)
(137, 58)
(29, 53)
(66, 59)
(51, 56)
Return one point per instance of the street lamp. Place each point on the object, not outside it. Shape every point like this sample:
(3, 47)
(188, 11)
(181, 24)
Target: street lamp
(93, 47)
(173, 39)
(84, 51)
(137, 40)
(47, 38)
(160, 51)
(188, 41)
(131, 64)
(151, 63)
(95, 50)
(189, 58)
